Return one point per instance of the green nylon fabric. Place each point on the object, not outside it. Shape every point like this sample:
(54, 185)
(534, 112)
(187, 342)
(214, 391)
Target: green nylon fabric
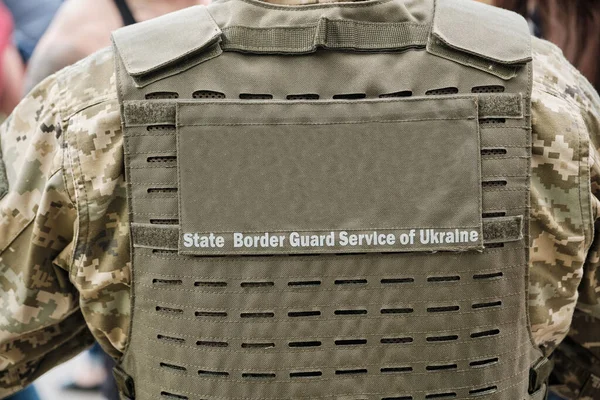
(347, 324)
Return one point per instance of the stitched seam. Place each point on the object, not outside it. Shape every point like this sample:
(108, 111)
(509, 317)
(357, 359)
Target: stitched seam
(330, 123)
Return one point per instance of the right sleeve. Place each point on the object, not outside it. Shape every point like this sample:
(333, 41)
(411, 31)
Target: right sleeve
(41, 324)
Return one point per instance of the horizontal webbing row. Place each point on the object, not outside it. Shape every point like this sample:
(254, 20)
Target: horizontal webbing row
(495, 230)
(165, 112)
(333, 34)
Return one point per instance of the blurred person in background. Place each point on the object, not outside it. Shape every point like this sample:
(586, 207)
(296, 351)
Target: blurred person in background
(574, 26)
(31, 18)
(83, 27)
(11, 67)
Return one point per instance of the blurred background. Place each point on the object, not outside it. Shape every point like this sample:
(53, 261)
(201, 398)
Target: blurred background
(40, 37)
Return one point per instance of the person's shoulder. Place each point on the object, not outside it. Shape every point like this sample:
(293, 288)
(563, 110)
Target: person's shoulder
(89, 81)
(555, 76)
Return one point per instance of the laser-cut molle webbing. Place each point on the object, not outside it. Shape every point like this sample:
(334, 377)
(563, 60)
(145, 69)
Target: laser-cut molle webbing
(353, 326)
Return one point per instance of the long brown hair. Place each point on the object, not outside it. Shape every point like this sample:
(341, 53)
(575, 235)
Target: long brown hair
(573, 25)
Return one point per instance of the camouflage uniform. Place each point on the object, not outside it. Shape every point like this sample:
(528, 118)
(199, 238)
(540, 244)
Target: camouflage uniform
(64, 227)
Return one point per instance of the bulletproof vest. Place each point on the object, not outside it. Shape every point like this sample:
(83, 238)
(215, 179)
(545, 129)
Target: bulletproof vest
(329, 201)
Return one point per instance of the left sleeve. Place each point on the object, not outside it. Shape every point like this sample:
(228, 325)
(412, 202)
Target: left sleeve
(589, 290)
(40, 321)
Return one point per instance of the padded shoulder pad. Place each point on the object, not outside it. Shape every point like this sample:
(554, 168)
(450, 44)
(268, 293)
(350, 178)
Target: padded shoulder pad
(488, 32)
(151, 45)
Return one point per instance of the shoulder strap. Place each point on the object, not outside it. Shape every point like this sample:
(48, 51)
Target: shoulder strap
(484, 37)
(125, 12)
(147, 48)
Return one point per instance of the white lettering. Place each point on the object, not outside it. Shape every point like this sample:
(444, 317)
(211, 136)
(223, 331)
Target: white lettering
(474, 236)
(187, 240)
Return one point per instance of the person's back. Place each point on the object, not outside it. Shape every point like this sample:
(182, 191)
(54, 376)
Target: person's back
(271, 154)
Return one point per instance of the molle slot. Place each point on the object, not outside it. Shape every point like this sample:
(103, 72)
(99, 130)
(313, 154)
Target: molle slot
(440, 309)
(297, 314)
(211, 314)
(310, 343)
(483, 391)
(491, 304)
(488, 89)
(172, 366)
(162, 95)
(442, 91)
(258, 345)
(161, 128)
(163, 252)
(492, 121)
(491, 275)
(167, 282)
(304, 283)
(164, 190)
(494, 214)
(441, 367)
(484, 362)
(395, 281)
(444, 338)
(256, 96)
(211, 284)
(494, 184)
(398, 398)
(166, 160)
(170, 395)
(491, 332)
(494, 152)
(403, 93)
(396, 340)
(306, 374)
(259, 375)
(350, 342)
(307, 96)
(156, 221)
(357, 371)
(349, 96)
(494, 245)
(170, 339)
(169, 310)
(208, 94)
(210, 343)
(222, 374)
(350, 282)
(395, 370)
(446, 395)
(406, 310)
(449, 278)
(257, 284)
(266, 314)
(350, 312)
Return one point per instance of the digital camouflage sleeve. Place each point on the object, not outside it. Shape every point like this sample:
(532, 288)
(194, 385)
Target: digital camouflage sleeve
(64, 234)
